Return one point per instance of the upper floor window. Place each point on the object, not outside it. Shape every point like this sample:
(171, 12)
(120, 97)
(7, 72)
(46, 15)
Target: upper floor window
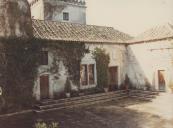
(44, 58)
(66, 16)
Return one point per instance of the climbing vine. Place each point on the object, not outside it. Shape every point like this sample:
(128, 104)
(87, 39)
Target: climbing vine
(19, 65)
(71, 54)
(18, 68)
(102, 62)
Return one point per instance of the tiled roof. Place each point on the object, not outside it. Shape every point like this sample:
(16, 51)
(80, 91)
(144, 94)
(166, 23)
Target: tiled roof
(52, 30)
(155, 33)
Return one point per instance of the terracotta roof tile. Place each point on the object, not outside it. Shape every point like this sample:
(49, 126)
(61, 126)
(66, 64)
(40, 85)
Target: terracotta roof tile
(52, 30)
(155, 33)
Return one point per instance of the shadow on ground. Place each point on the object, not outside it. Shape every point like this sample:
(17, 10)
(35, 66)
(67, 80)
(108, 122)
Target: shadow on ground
(108, 115)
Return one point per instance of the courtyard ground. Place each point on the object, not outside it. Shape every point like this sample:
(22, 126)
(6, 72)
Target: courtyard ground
(126, 113)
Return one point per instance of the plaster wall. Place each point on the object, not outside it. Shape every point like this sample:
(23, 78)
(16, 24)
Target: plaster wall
(37, 10)
(117, 58)
(53, 10)
(146, 59)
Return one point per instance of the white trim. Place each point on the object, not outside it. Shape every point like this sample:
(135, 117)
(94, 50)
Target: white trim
(89, 62)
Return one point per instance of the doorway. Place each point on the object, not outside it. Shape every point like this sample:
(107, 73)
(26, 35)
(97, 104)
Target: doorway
(44, 86)
(161, 80)
(113, 78)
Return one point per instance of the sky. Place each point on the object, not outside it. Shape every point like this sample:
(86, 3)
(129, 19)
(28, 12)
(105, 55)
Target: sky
(130, 16)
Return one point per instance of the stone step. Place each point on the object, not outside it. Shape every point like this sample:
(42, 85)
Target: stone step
(79, 104)
(78, 101)
(143, 98)
(81, 97)
(144, 92)
(92, 99)
(143, 95)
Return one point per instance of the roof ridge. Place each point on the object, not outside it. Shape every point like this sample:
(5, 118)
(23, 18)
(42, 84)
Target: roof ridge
(73, 23)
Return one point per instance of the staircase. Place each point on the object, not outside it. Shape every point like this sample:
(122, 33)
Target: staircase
(51, 105)
(143, 95)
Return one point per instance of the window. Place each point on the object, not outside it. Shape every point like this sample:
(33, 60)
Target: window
(91, 74)
(84, 75)
(44, 58)
(87, 74)
(66, 16)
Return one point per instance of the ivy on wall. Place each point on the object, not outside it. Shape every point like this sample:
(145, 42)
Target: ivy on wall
(18, 68)
(70, 53)
(102, 62)
(19, 63)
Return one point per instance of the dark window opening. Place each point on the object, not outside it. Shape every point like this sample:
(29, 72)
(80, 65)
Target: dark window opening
(66, 16)
(44, 58)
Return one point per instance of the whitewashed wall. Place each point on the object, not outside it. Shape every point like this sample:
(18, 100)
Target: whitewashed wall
(53, 10)
(37, 10)
(145, 59)
(117, 58)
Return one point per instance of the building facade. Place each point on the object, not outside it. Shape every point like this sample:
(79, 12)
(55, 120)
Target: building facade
(73, 11)
(146, 59)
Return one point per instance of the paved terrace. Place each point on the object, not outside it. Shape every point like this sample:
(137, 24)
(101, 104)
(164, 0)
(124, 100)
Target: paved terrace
(125, 113)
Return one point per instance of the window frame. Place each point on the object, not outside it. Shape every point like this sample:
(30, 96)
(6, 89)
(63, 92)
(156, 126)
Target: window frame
(88, 75)
(44, 55)
(66, 16)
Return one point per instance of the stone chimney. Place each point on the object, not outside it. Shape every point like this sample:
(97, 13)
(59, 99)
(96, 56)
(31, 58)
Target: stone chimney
(15, 19)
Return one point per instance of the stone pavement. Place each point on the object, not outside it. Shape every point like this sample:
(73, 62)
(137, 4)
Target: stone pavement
(161, 106)
(126, 113)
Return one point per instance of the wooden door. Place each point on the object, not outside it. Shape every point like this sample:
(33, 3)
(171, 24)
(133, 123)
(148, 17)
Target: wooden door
(113, 78)
(161, 80)
(44, 86)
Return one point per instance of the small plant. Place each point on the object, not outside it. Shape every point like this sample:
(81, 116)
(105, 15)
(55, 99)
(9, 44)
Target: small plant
(44, 125)
(67, 88)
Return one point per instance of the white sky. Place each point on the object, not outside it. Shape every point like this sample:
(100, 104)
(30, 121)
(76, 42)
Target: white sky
(130, 16)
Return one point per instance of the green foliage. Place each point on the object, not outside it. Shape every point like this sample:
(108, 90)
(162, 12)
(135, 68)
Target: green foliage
(67, 86)
(18, 69)
(19, 61)
(44, 125)
(102, 62)
(71, 54)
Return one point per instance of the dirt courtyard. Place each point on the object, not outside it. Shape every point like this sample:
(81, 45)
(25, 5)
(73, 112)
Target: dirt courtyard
(126, 113)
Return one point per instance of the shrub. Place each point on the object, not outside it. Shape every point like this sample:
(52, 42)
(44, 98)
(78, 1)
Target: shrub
(102, 62)
(44, 125)
(67, 86)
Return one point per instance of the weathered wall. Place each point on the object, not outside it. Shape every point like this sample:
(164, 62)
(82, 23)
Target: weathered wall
(146, 59)
(15, 18)
(53, 10)
(37, 10)
(117, 58)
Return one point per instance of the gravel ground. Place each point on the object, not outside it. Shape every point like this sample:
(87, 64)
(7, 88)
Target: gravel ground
(126, 113)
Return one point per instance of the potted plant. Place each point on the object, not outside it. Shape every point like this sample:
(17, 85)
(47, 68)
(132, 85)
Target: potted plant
(106, 88)
(68, 88)
(126, 82)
